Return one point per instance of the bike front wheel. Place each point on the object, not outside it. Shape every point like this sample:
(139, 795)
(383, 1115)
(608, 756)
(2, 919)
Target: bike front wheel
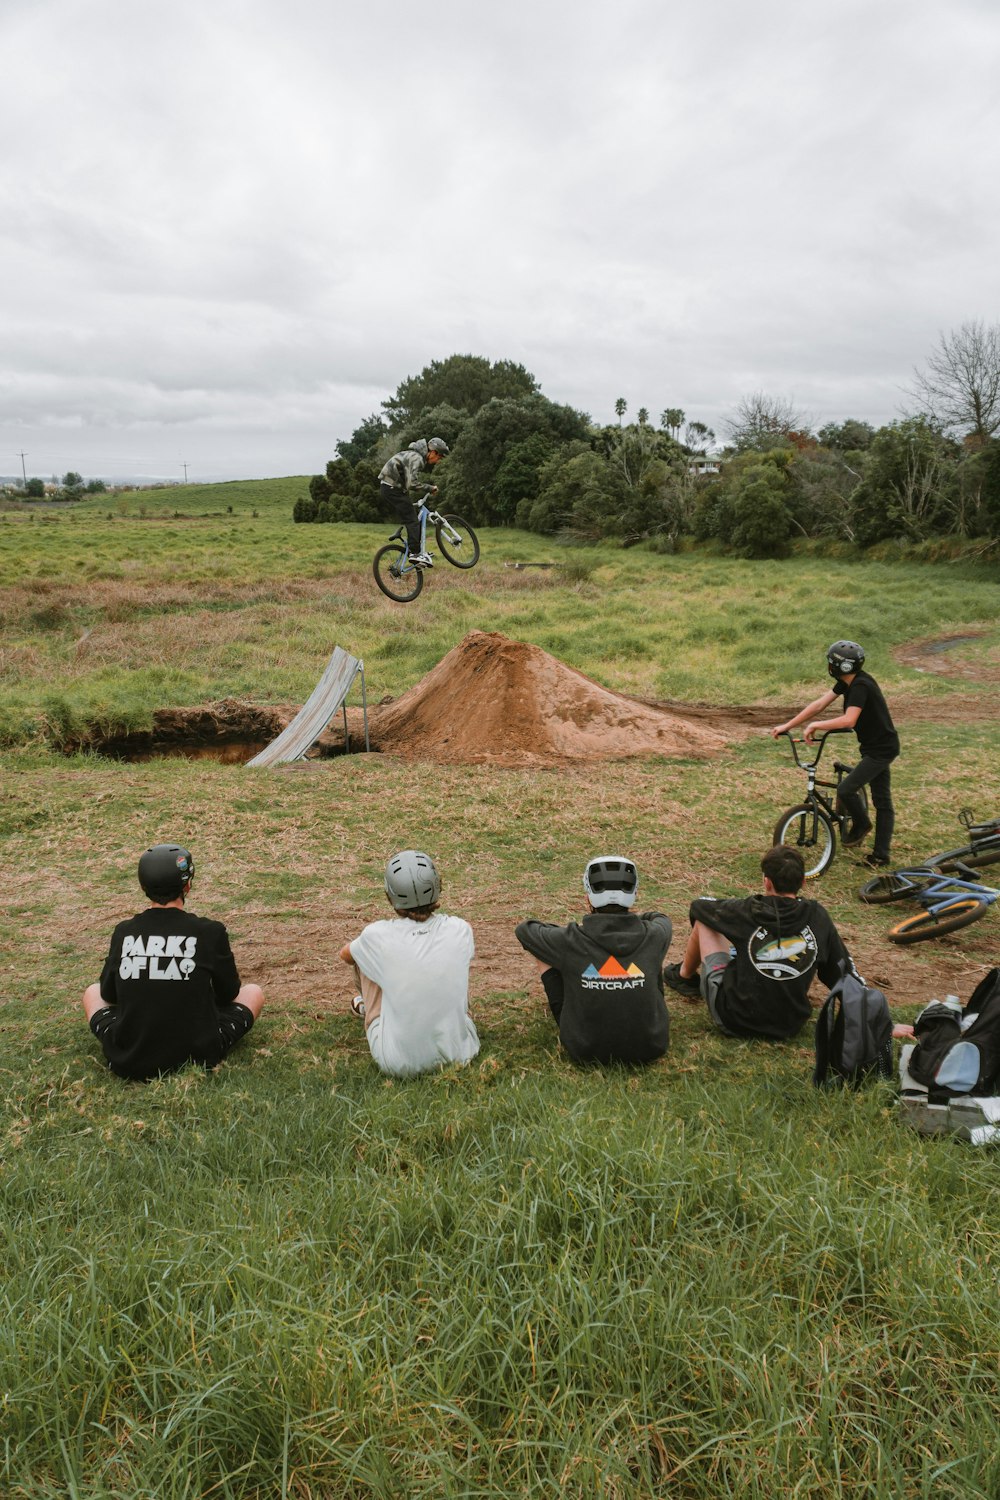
(811, 832)
(931, 924)
(886, 888)
(457, 541)
(400, 581)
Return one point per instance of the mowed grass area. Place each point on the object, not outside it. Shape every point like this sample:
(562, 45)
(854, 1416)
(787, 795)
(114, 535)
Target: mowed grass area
(294, 1278)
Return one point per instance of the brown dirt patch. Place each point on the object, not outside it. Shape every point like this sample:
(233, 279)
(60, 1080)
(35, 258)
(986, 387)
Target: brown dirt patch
(944, 656)
(495, 700)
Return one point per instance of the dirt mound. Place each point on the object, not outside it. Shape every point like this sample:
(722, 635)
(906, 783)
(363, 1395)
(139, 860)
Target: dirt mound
(493, 699)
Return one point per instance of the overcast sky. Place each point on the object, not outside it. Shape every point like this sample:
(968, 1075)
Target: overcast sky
(230, 228)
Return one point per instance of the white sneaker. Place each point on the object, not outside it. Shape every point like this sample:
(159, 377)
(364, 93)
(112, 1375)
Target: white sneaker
(422, 560)
(358, 1006)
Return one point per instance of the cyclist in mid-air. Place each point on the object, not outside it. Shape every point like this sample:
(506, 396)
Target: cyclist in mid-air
(400, 483)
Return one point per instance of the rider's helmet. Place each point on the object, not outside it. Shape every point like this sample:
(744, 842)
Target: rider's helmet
(165, 872)
(438, 445)
(411, 881)
(611, 880)
(844, 658)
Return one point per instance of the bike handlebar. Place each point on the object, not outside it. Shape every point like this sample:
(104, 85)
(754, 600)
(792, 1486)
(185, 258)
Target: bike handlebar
(819, 740)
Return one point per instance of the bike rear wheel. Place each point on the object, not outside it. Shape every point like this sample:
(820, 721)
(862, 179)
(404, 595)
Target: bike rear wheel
(462, 551)
(929, 924)
(402, 585)
(816, 845)
(976, 859)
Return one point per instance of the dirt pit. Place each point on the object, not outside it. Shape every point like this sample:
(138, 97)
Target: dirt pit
(229, 732)
(495, 700)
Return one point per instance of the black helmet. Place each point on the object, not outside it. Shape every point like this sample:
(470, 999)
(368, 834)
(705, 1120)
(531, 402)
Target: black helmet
(438, 445)
(165, 872)
(611, 880)
(411, 881)
(844, 658)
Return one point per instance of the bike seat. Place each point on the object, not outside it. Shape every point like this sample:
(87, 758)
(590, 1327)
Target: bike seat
(396, 535)
(838, 765)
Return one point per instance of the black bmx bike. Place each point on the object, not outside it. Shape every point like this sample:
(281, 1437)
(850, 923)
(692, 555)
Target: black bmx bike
(813, 824)
(402, 579)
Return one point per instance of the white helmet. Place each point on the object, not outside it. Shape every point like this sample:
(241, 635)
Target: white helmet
(411, 881)
(611, 880)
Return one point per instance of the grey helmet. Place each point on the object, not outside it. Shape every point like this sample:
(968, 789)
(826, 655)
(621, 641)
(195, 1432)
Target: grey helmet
(844, 658)
(411, 881)
(438, 445)
(165, 872)
(611, 880)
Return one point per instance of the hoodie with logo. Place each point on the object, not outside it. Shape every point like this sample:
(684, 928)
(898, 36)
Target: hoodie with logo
(612, 1007)
(780, 943)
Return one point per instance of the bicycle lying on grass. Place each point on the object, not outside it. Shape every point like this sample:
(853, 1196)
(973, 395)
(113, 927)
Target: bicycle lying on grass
(982, 849)
(948, 900)
(402, 579)
(812, 826)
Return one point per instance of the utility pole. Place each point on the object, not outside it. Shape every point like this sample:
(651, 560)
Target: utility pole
(185, 468)
(24, 474)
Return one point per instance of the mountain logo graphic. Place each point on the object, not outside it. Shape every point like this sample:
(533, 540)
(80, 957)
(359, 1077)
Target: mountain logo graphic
(612, 969)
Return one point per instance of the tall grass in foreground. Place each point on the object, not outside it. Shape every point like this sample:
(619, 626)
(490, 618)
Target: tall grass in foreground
(488, 1284)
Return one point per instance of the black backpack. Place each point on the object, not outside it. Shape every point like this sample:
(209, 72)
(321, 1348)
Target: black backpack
(853, 1033)
(951, 1062)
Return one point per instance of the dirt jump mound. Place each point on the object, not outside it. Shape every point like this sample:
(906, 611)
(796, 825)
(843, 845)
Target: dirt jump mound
(493, 699)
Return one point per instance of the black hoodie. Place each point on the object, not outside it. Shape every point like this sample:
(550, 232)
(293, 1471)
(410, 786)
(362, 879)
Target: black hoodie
(613, 1007)
(780, 942)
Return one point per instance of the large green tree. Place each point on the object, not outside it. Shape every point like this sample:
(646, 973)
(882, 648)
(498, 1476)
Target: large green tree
(499, 434)
(464, 381)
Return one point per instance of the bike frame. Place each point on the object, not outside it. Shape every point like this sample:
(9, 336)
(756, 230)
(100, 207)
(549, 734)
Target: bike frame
(423, 516)
(936, 892)
(814, 797)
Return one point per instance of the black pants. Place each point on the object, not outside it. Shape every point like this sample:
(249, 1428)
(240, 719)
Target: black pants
(402, 508)
(874, 773)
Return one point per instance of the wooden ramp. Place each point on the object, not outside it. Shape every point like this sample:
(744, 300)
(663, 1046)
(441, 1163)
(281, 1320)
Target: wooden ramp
(329, 694)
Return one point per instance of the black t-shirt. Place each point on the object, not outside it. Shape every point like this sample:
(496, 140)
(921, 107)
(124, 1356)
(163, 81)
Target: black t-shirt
(780, 942)
(613, 1007)
(166, 974)
(874, 727)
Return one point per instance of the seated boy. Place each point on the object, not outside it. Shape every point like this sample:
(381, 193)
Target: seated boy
(413, 972)
(753, 958)
(169, 992)
(602, 976)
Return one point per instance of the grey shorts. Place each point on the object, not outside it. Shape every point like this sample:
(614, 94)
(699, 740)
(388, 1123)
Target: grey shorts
(713, 967)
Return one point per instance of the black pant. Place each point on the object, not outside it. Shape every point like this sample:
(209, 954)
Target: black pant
(402, 508)
(872, 772)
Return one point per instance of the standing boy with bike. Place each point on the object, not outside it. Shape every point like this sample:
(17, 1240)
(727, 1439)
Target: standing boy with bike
(400, 479)
(865, 711)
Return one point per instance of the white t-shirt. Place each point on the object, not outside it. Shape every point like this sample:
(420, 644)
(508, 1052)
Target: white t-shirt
(422, 969)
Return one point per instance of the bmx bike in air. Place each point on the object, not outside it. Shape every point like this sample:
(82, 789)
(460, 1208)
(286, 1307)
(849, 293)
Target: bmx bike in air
(401, 579)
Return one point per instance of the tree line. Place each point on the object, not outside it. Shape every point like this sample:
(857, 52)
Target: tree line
(520, 459)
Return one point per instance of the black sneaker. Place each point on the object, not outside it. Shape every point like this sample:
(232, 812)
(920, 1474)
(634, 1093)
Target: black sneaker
(876, 861)
(856, 834)
(681, 984)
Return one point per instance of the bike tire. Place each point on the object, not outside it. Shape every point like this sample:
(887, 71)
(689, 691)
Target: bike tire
(975, 859)
(404, 587)
(929, 924)
(794, 828)
(461, 554)
(891, 887)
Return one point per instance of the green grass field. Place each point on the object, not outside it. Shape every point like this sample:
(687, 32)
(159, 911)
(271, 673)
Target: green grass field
(294, 1278)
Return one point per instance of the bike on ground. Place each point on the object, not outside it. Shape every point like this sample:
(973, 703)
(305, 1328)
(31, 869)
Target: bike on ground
(399, 577)
(813, 824)
(948, 900)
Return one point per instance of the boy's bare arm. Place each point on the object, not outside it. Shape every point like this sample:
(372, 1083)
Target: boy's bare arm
(809, 712)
